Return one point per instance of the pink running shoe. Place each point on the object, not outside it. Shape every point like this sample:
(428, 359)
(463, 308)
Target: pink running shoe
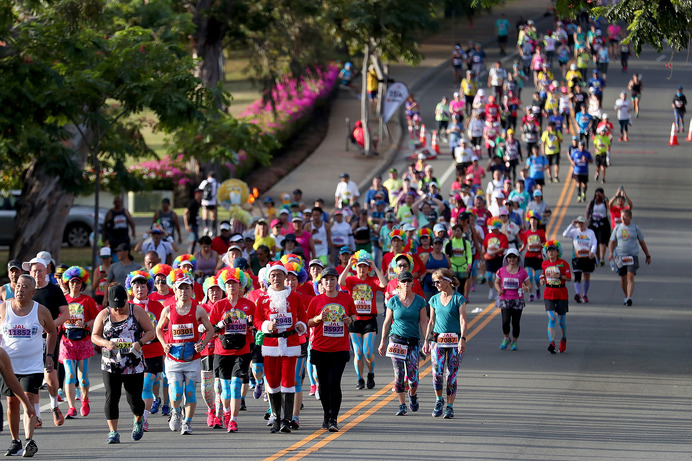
(210, 418)
(233, 426)
(85, 407)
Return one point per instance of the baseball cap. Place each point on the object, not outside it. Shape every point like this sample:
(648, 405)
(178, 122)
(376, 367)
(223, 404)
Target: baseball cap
(297, 218)
(156, 229)
(27, 264)
(297, 192)
(537, 193)
(284, 211)
(14, 264)
(123, 247)
(329, 272)
(236, 238)
(439, 228)
(45, 255)
(437, 240)
(275, 222)
(344, 249)
(105, 252)
(241, 263)
(393, 170)
(316, 262)
(117, 297)
(580, 219)
(225, 225)
(504, 211)
(404, 276)
(234, 247)
(344, 175)
(498, 194)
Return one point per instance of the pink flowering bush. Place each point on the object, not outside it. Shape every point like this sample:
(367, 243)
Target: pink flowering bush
(294, 102)
(163, 174)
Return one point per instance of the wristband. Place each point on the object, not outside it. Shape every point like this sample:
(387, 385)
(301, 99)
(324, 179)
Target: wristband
(52, 356)
(463, 338)
(141, 344)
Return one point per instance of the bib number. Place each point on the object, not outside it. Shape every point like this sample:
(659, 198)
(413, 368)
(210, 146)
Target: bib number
(627, 260)
(182, 332)
(510, 284)
(363, 307)
(333, 329)
(283, 321)
(447, 340)
(397, 351)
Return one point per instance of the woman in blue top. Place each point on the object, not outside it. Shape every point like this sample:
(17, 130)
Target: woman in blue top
(447, 326)
(406, 316)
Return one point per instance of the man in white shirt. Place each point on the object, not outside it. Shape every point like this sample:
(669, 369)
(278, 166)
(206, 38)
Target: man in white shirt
(346, 192)
(209, 188)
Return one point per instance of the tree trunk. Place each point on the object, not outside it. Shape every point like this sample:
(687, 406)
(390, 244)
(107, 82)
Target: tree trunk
(208, 43)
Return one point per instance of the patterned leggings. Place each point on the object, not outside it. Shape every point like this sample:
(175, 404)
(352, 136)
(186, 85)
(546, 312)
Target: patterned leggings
(406, 371)
(450, 357)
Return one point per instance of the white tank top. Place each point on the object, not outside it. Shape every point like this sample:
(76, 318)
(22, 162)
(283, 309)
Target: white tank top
(320, 233)
(340, 233)
(22, 340)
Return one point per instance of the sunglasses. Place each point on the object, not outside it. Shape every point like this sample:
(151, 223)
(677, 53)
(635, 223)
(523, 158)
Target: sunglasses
(437, 282)
(406, 281)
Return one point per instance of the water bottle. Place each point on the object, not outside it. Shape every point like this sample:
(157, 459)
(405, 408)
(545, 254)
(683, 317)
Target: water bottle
(521, 293)
(612, 266)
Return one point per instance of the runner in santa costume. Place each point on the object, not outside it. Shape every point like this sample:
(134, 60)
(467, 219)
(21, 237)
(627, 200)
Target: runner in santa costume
(280, 315)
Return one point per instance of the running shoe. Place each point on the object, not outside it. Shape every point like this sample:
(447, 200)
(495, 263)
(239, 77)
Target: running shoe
(226, 419)
(243, 407)
(285, 427)
(473, 287)
(58, 418)
(146, 426)
(531, 298)
(313, 388)
(602, 263)
(595, 177)
(186, 428)
(210, 418)
(253, 382)
(270, 420)
(155, 406)
(61, 395)
(71, 413)
(165, 410)
(259, 389)
(585, 298)
(437, 411)
(371, 380)
(217, 423)
(361, 384)
(482, 279)
(325, 423)
(39, 423)
(551, 347)
(514, 345)
(295, 423)
(579, 198)
(15, 448)
(317, 393)
(413, 403)
(113, 437)
(233, 426)
(628, 301)
(603, 181)
(504, 344)
(267, 414)
(563, 345)
(333, 426)
(78, 393)
(402, 410)
(30, 449)
(491, 294)
(175, 422)
(577, 298)
(85, 409)
(137, 430)
(557, 179)
(538, 294)
(449, 412)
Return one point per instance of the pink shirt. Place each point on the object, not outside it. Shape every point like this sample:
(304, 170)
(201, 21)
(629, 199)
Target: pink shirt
(511, 283)
(478, 174)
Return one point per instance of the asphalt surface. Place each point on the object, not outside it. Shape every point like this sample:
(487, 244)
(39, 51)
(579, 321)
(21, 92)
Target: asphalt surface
(623, 389)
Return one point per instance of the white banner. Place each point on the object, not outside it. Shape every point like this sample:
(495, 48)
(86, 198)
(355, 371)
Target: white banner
(396, 95)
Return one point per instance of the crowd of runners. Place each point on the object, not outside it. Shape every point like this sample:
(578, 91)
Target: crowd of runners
(293, 298)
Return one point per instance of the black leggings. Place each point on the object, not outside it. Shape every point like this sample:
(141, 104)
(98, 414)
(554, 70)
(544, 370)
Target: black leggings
(513, 316)
(113, 382)
(330, 367)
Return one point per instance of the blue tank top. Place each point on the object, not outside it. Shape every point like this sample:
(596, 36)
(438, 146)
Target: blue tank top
(434, 264)
(9, 294)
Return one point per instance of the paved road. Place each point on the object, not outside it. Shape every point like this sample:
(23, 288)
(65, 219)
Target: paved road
(623, 389)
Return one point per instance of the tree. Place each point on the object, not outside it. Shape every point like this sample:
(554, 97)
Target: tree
(649, 22)
(76, 74)
(380, 29)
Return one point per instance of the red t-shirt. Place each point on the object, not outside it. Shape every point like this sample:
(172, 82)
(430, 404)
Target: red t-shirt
(493, 241)
(155, 296)
(182, 328)
(153, 309)
(82, 308)
(393, 286)
(307, 289)
(534, 241)
(242, 323)
(331, 334)
(363, 293)
(418, 265)
(552, 273)
(340, 269)
(220, 245)
(254, 295)
(615, 215)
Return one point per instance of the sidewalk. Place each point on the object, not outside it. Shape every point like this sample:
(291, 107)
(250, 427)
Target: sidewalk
(319, 174)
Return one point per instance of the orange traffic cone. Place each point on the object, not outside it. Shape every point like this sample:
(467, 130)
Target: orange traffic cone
(422, 139)
(673, 136)
(434, 144)
(689, 133)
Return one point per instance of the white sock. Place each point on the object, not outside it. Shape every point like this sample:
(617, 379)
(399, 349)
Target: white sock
(146, 415)
(37, 409)
(53, 401)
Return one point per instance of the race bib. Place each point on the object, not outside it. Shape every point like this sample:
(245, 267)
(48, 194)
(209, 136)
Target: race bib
(76, 313)
(396, 351)
(510, 284)
(447, 340)
(333, 320)
(283, 321)
(552, 276)
(338, 240)
(627, 260)
(236, 322)
(362, 298)
(582, 253)
(182, 331)
(122, 343)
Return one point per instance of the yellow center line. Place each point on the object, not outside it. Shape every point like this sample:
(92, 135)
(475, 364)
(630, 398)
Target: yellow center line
(484, 317)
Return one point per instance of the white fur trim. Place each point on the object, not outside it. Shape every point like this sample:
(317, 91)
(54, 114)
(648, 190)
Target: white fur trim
(303, 327)
(282, 350)
(277, 299)
(265, 326)
(288, 390)
(273, 390)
